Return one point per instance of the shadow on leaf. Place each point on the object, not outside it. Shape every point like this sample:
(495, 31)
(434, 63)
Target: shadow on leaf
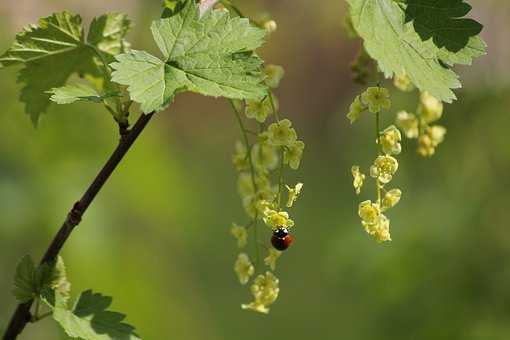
(442, 20)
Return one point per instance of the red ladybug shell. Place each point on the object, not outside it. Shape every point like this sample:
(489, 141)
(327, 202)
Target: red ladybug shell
(281, 243)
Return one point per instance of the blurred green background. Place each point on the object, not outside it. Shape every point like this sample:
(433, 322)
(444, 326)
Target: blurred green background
(156, 238)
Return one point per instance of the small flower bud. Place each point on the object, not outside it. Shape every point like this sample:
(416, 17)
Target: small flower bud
(270, 26)
(430, 108)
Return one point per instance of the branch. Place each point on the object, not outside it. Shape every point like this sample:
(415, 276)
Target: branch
(22, 314)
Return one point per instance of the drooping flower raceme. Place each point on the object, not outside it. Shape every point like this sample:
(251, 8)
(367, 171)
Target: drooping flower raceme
(260, 164)
(385, 165)
(418, 125)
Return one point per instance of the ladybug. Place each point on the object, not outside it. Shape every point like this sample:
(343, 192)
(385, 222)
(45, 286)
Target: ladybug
(281, 238)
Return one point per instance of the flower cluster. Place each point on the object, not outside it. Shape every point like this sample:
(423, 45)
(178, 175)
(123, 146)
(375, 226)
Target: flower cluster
(420, 125)
(384, 167)
(270, 145)
(265, 289)
(374, 99)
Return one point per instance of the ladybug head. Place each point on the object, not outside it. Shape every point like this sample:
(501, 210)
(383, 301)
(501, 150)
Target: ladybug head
(280, 232)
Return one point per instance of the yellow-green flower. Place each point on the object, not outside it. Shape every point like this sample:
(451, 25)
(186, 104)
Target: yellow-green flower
(264, 156)
(380, 230)
(263, 137)
(436, 133)
(293, 194)
(391, 199)
(245, 185)
(403, 83)
(427, 143)
(281, 133)
(355, 109)
(376, 98)
(240, 234)
(257, 204)
(244, 268)
(276, 219)
(265, 290)
(384, 168)
(369, 212)
(240, 157)
(293, 154)
(358, 179)
(408, 123)
(425, 146)
(390, 140)
(274, 74)
(270, 26)
(430, 109)
(271, 258)
(256, 306)
(260, 109)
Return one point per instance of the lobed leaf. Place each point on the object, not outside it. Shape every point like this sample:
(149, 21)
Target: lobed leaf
(31, 280)
(56, 48)
(78, 92)
(89, 318)
(398, 48)
(442, 21)
(212, 55)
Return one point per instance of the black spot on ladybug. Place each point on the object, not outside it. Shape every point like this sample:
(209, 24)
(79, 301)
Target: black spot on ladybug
(281, 238)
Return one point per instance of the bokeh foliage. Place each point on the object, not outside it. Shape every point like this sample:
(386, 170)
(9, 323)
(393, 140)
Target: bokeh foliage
(157, 236)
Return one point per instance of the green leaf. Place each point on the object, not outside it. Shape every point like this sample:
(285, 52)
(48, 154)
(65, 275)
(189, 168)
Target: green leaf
(398, 49)
(78, 92)
(55, 35)
(25, 280)
(212, 55)
(171, 7)
(89, 319)
(145, 76)
(107, 33)
(56, 48)
(30, 281)
(442, 20)
(60, 283)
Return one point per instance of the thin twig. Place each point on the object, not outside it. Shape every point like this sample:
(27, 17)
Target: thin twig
(22, 314)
